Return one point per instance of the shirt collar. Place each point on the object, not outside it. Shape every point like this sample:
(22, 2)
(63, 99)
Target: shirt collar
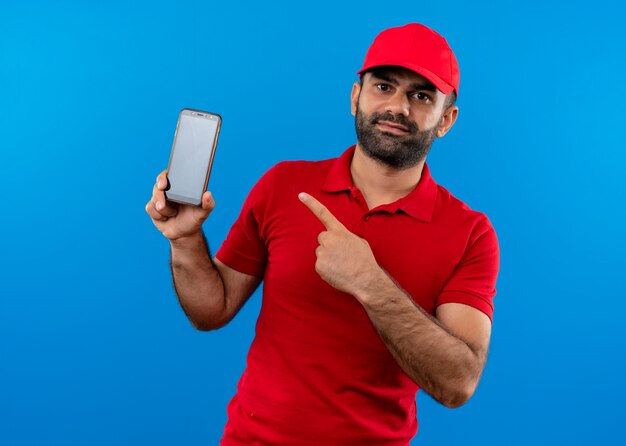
(419, 203)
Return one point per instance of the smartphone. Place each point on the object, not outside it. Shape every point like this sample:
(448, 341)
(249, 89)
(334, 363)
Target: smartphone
(191, 158)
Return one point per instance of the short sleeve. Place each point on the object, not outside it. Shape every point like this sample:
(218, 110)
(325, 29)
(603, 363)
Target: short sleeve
(244, 248)
(473, 281)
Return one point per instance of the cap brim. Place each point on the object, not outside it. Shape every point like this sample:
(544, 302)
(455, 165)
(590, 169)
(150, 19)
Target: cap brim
(441, 85)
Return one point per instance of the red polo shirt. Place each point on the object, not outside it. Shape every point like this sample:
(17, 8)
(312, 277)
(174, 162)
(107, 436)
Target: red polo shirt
(317, 371)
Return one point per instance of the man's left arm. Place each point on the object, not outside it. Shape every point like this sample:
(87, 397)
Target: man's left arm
(445, 356)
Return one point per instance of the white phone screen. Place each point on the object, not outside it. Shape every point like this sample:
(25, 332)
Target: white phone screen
(192, 156)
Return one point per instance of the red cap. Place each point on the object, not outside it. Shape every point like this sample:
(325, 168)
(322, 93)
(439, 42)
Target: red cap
(419, 49)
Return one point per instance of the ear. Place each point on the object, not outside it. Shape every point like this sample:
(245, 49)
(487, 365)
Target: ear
(447, 120)
(354, 97)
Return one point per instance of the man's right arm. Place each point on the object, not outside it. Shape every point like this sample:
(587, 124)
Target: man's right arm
(209, 292)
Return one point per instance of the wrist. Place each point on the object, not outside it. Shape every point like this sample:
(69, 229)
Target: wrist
(374, 287)
(187, 242)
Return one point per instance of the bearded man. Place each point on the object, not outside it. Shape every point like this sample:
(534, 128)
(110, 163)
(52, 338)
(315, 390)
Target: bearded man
(377, 281)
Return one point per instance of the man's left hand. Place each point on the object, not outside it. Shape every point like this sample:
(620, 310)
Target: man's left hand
(344, 259)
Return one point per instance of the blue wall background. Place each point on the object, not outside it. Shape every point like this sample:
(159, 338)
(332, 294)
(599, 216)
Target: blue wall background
(94, 348)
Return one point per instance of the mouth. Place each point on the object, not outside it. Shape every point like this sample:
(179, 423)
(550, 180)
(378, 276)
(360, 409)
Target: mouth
(391, 127)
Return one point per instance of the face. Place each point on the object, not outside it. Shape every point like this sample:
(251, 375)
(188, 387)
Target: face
(398, 114)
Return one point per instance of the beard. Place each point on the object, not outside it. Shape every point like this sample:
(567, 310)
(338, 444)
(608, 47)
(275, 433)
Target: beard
(396, 151)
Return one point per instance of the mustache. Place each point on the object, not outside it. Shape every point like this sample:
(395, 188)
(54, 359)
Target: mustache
(376, 117)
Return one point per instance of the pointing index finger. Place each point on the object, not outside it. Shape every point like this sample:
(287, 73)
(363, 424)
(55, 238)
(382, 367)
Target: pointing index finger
(320, 211)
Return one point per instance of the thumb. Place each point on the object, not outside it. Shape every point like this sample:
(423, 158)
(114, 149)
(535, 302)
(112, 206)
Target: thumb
(207, 204)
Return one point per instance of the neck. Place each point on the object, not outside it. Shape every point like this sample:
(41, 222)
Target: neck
(382, 184)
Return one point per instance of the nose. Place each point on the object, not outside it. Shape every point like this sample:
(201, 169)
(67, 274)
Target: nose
(398, 104)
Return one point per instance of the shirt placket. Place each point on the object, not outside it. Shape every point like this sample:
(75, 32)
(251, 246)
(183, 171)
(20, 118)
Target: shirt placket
(364, 212)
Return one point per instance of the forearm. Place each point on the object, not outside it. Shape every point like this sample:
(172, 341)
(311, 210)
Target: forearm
(197, 282)
(442, 364)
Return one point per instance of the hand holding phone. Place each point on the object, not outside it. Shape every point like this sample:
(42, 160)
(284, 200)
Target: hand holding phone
(178, 210)
(176, 220)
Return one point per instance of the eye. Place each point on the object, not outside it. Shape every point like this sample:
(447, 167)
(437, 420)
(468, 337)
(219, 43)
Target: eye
(422, 97)
(383, 87)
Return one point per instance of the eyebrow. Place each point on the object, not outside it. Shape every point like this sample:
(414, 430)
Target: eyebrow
(386, 77)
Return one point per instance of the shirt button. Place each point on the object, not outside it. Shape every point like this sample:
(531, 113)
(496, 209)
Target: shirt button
(366, 217)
